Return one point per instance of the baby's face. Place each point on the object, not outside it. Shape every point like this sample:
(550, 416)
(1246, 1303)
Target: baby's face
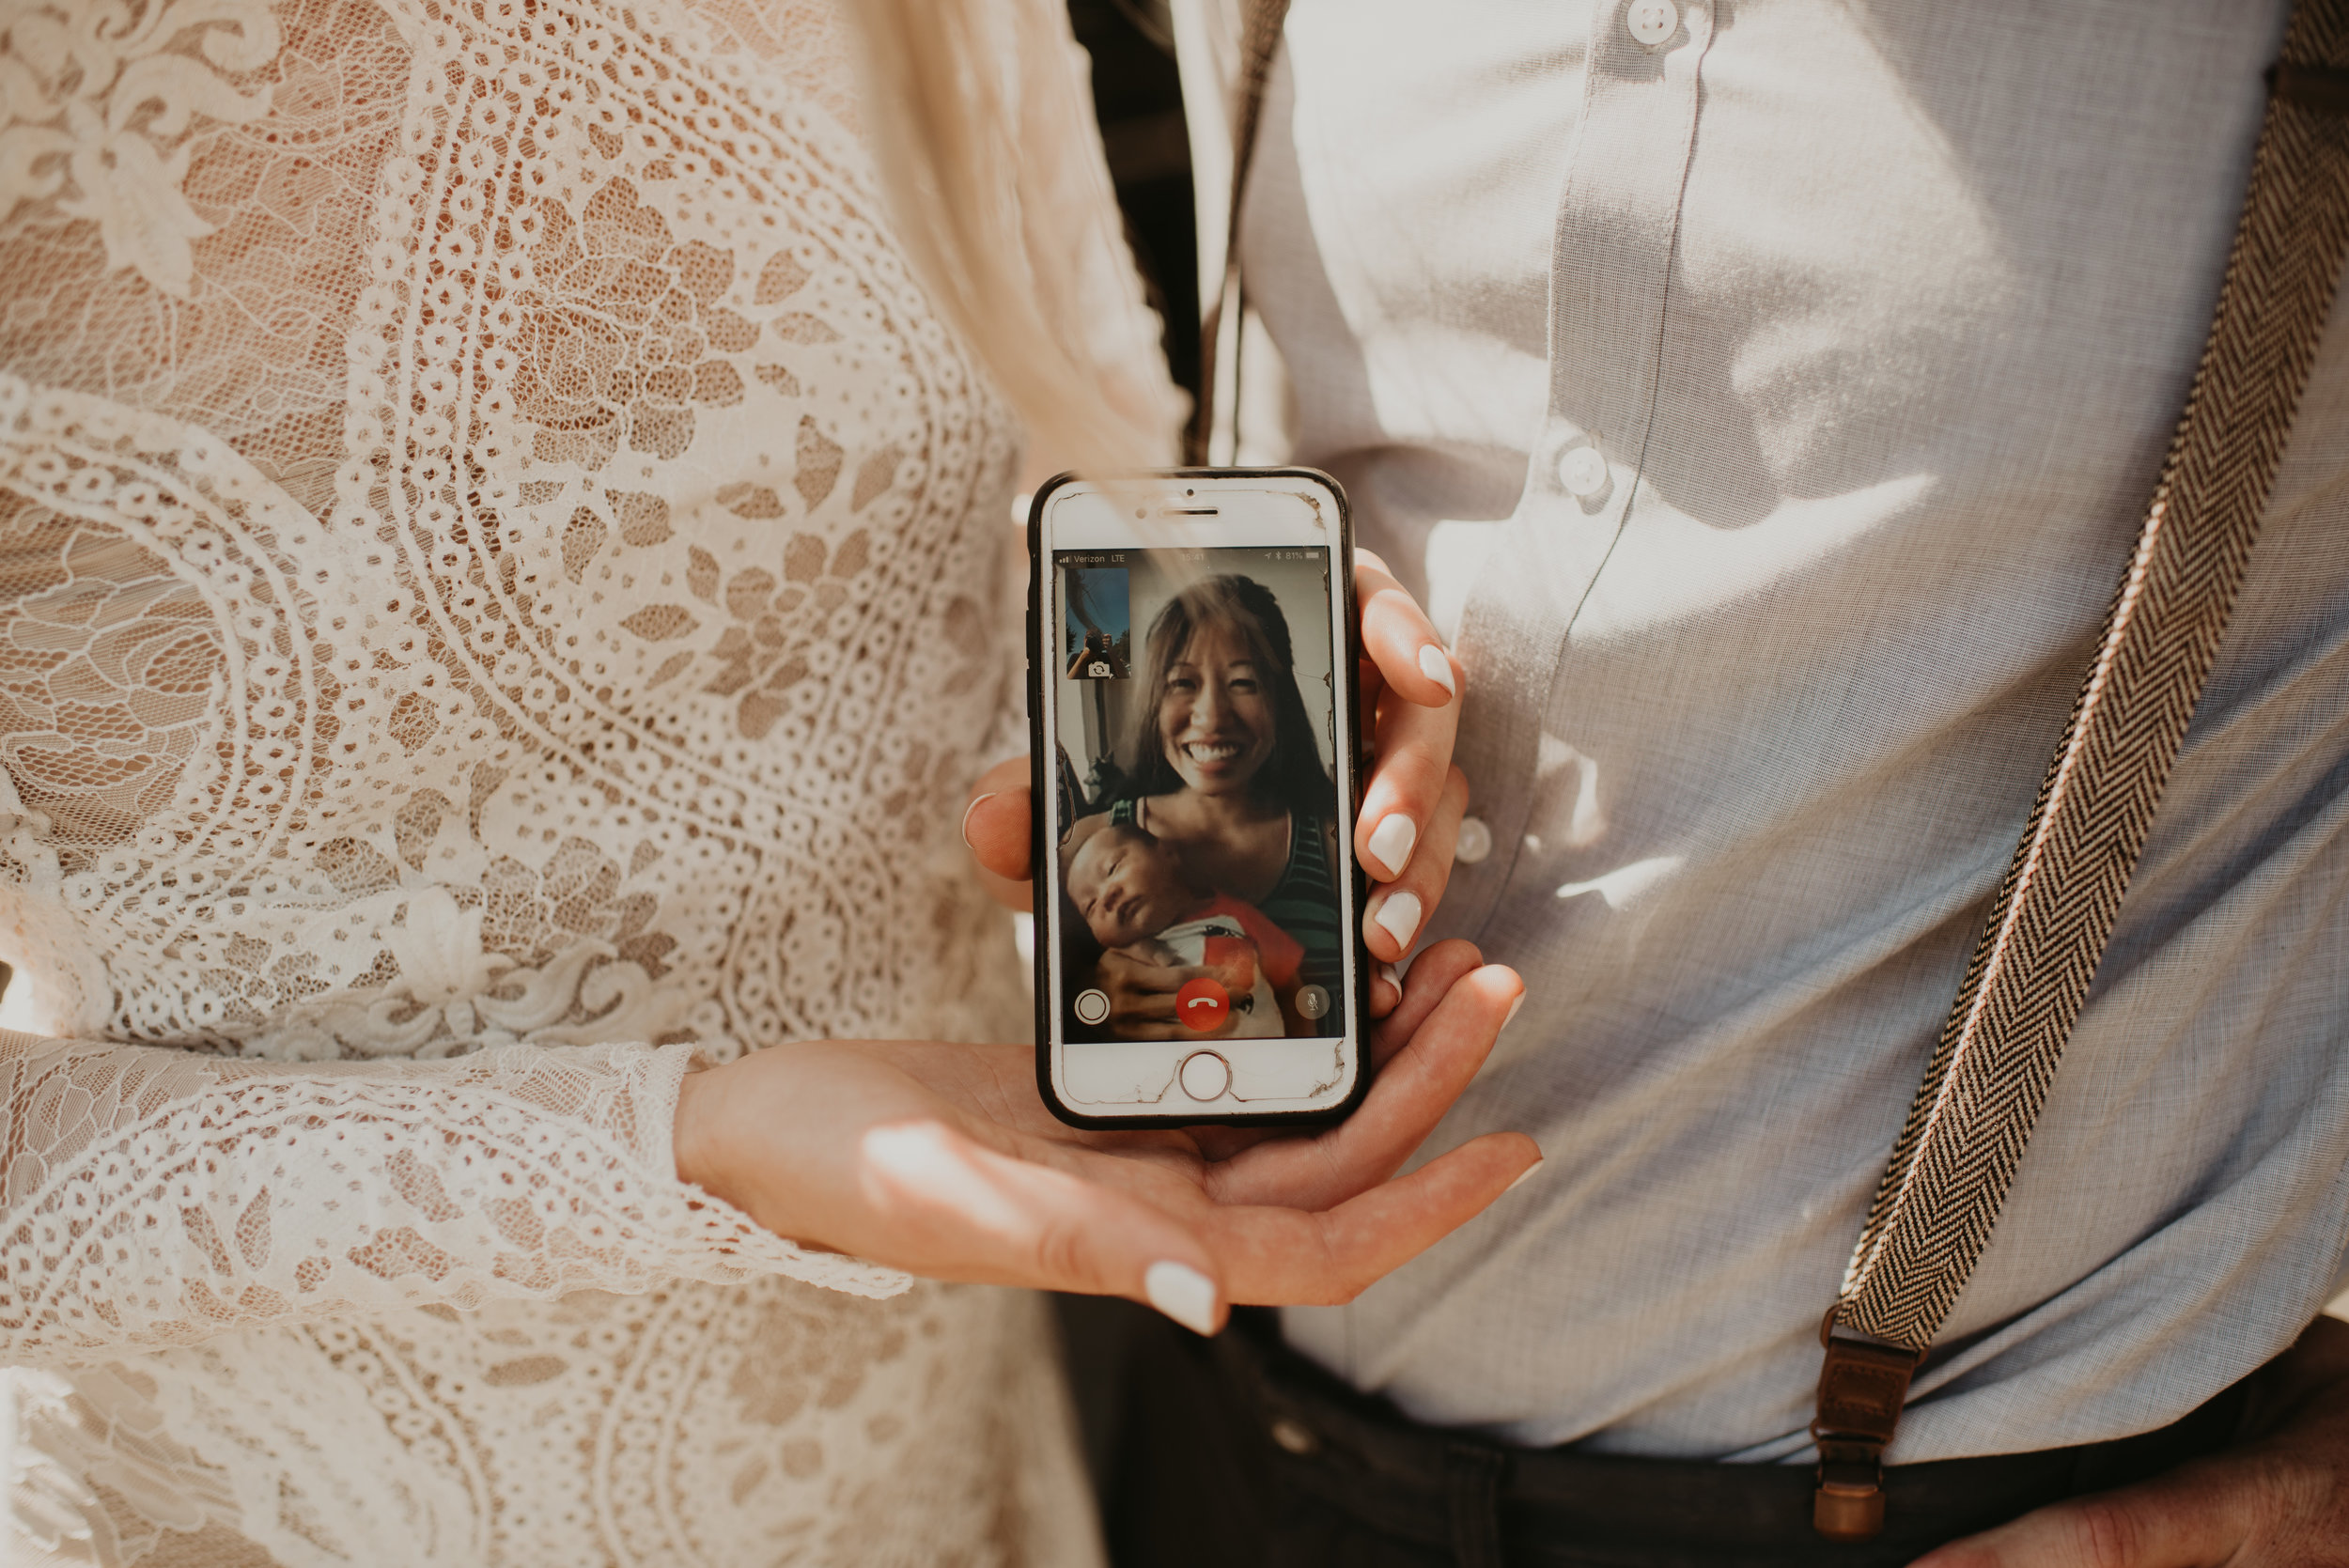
(1128, 887)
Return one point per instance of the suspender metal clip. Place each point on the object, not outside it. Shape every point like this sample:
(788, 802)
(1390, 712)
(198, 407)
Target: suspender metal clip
(1863, 1385)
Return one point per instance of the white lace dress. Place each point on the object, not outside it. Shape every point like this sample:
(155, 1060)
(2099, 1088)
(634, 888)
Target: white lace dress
(499, 573)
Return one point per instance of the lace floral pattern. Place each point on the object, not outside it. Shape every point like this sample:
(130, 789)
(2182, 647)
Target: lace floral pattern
(499, 571)
(98, 98)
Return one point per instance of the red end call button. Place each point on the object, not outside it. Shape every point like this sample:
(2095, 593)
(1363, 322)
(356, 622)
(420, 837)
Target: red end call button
(1203, 1004)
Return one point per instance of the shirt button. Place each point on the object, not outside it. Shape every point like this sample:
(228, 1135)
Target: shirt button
(1652, 21)
(1583, 471)
(1294, 1435)
(1474, 843)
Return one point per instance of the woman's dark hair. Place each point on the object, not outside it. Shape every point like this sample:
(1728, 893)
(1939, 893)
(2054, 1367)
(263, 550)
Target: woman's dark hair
(1293, 773)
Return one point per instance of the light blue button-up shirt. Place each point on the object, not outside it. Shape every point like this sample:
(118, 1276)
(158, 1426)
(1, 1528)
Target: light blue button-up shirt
(1768, 409)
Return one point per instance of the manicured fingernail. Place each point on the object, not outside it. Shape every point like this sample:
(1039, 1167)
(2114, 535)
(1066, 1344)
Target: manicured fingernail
(1182, 1293)
(1525, 1175)
(974, 805)
(1436, 666)
(1392, 975)
(1399, 917)
(1513, 1010)
(1392, 841)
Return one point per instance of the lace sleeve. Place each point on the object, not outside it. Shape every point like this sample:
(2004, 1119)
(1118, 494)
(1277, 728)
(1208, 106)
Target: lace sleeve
(155, 1198)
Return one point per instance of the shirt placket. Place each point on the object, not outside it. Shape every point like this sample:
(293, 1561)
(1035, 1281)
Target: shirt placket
(1609, 282)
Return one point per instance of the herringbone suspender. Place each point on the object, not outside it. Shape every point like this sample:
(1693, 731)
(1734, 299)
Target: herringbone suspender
(1260, 39)
(1988, 1078)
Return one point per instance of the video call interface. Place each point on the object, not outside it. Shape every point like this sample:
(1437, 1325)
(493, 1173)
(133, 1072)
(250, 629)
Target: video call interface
(1201, 857)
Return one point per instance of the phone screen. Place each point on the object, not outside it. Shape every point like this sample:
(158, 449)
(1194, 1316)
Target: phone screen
(1196, 695)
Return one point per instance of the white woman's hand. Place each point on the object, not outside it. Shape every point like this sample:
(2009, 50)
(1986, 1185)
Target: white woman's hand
(941, 1159)
(1414, 803)
(1412, 807)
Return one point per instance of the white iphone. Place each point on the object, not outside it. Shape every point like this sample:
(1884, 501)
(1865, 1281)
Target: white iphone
(1193, 657)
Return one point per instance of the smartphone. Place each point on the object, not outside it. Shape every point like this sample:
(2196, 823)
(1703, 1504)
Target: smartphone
(1192, 704)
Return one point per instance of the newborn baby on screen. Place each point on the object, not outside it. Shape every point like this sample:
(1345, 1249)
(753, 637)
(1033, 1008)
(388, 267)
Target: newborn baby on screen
(1136, 899)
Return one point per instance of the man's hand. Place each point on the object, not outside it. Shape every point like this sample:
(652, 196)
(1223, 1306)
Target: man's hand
(941, 1159)
(1412, 807)
(1143, 995)
(2280, 1501)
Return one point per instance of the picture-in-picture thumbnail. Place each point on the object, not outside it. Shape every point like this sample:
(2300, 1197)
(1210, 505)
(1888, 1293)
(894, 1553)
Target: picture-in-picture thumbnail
(1099, 622)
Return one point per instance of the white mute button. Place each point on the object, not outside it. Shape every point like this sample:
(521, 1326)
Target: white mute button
(1583, 471)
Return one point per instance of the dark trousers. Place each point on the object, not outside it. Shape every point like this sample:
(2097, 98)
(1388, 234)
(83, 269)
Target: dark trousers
(1236, 1453)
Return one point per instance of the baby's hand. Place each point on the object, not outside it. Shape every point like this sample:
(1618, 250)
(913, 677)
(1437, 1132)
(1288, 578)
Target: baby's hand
(1236, 975)
(1141, 996)
(1233, 961)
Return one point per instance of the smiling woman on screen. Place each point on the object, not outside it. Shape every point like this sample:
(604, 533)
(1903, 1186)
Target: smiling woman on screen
(1222, 768)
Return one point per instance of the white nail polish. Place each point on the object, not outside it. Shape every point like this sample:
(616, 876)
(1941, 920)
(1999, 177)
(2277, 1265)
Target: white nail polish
(1436, 666)
(974, 805)
(1513, 1010)
(1392, 841)
(1525, 1175)
(1399, 917)
(1182, 1293)
(1392, 975)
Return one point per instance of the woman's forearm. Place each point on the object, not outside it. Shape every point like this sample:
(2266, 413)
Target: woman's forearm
(154, 1197)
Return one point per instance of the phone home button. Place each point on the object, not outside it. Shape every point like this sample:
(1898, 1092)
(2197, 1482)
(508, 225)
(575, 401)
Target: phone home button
(1205, 1075)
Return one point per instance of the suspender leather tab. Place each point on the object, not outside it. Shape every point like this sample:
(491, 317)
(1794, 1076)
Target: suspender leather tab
(1862, 1386)
(2322, 88)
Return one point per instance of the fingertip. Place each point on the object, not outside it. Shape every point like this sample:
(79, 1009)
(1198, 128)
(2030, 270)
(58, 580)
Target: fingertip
(1441, 966)
(1411, 657)
(1513, 1150)
(1500, 980)
(976, 801)
(1398, 915)
(996, 827)
(1389, 845)
(1511, 1159)
(1436, 664)
(1416, 681)
(1499, 983)
(1186, 1295)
